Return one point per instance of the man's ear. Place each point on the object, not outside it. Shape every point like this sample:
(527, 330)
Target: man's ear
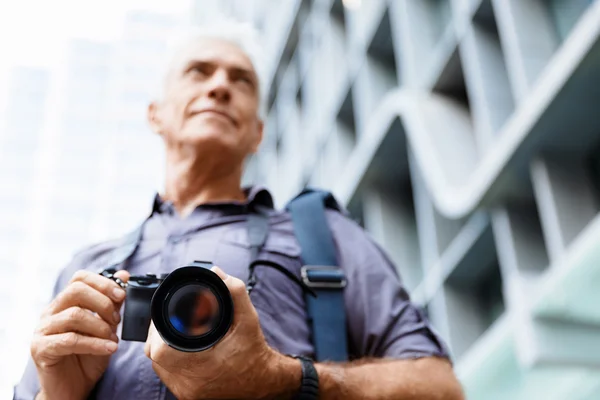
(153, 117)
(260, 125)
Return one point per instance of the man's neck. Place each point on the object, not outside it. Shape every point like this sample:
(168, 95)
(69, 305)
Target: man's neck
(190, 183)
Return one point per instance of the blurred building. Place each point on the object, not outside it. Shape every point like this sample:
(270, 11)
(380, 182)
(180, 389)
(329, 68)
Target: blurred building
(463, 134)
(137, 159)
(206, 11)
(19, 145)
(79, 170)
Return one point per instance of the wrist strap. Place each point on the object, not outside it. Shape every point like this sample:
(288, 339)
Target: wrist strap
(309, 386)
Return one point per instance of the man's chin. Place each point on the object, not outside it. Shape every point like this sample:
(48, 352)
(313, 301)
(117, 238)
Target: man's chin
(206, 137)
(209, 142)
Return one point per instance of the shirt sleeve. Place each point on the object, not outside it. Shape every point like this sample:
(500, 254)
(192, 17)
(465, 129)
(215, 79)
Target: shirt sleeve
(29, 386)
(382, 320)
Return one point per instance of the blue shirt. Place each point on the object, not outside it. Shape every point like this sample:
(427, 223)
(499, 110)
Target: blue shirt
(382, 322)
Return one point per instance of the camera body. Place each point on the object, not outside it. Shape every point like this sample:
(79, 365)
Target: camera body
(137, 313)
(191, 307)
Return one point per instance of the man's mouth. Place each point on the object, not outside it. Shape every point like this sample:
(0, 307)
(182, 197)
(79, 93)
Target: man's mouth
(213, 112)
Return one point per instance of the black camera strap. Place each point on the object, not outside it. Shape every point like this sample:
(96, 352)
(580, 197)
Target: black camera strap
(120, 254)
(257, 227)
(258, 230)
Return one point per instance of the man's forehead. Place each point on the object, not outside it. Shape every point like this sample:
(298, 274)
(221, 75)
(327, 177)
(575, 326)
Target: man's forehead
(221, 51)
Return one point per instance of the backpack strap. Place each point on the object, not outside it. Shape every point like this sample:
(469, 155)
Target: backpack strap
(321, 272)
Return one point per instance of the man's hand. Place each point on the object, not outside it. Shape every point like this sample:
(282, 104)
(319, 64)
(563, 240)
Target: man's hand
(76, 335)
(241, 365)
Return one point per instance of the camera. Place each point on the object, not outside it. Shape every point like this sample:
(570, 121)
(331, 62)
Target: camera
(191, 307)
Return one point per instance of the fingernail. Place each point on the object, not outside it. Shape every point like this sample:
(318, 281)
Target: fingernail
(110, 346)
(118, 294)
(117, 317)
(114, 338)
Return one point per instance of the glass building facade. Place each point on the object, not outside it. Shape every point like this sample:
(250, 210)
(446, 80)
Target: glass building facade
(463, 135)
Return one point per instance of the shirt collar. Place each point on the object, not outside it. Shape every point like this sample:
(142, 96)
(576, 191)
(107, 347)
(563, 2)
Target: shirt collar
(255, 195)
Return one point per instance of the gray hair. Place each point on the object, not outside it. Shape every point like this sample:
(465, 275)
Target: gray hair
(242, 34)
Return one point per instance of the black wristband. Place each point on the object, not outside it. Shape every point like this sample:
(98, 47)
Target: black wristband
(309, 386)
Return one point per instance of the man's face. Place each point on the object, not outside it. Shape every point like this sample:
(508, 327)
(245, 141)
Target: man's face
(211, 101)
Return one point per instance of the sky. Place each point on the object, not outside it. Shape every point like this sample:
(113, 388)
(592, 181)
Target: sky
(33, 31)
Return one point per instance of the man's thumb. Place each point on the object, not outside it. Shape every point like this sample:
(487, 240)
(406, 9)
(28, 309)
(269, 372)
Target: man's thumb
(220, 272)
(237, 288)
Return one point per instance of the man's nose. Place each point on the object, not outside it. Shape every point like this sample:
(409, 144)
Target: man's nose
(219, 89)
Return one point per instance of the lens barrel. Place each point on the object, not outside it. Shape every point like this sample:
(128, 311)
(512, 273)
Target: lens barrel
(192, 308)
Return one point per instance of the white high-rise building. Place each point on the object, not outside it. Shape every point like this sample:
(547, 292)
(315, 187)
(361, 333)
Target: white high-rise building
(19, 143)
(82, 169)
(135, 165)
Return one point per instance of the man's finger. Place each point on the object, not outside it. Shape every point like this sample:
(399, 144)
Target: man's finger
(64, 344)
(102, 284)
(79, 294)
(148, 344)
(161, 372)
(76, 319)
(122, 275)
(158, 351)
(161, 354)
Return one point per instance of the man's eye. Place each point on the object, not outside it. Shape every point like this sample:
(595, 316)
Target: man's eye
(245, 80)
(198, 70)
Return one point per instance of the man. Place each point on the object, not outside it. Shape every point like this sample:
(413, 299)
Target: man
(208, 117)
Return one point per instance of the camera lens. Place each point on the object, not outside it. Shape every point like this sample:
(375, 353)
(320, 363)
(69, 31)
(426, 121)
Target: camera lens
(192, 309)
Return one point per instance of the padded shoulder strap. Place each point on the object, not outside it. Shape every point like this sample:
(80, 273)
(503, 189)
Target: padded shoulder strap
(321, 272)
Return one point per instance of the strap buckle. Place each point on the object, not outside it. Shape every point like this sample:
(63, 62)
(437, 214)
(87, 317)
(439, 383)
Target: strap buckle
(323, 276)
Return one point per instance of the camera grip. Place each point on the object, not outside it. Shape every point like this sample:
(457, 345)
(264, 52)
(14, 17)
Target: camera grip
(137, 316)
